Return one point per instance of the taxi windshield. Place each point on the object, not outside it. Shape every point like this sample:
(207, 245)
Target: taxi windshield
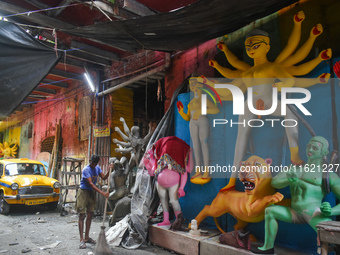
(24, 169)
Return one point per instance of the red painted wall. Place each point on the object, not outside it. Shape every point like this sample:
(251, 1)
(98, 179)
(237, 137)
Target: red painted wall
(195, 60)
(47, 115)
(64, 105)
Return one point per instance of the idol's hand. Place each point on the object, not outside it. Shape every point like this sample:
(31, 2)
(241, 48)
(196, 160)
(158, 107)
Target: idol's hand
(325, 54)
(326, 209)
(317, 30)
(180, 106)
(222, 46)
(323, 78)
(291, 174)
(181, 193)
(336, 69)
(299, 17)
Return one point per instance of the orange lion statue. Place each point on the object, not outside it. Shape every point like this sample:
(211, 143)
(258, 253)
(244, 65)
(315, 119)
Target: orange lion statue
(247, 206)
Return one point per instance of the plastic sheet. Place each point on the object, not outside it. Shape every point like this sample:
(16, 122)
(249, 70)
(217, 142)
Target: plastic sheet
(115, 234)
(24, 63)
(145, 199)
(183, 28)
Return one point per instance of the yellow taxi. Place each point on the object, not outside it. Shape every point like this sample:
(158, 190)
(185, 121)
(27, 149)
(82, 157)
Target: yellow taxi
(25, 182)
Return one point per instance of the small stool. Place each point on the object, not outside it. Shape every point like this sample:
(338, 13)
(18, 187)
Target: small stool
(328, 232)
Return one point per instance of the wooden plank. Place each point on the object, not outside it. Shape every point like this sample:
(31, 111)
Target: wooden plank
(93, 50)
(71, 173)
(56, 150)
(132, 80)
(80, 63)
(84, 56)
(148, 80)
(332, 225)
(157, 76)
(84, 117)
(75, 187)
(329, 236)
(53, 83)
(36, 97)
(324, 248)
(45, 90)
(79, 160)
(178, 241)
(50, 165)
(64, 74)
(328, 232)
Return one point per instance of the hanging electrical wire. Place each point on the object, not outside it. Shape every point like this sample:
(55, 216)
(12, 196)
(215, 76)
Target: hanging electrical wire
(40, 10)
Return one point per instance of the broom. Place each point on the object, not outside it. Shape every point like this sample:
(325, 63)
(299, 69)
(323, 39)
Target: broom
(102, 248)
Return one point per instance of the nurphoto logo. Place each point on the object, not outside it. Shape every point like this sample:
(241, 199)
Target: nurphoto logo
(238, 100)
(239, 105)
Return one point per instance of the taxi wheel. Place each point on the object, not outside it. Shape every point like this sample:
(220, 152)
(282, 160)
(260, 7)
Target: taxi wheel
(4, 206)
(52, 206)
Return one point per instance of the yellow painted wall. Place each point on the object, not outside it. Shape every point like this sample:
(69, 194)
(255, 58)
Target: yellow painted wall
(122, 106)
(14, 135)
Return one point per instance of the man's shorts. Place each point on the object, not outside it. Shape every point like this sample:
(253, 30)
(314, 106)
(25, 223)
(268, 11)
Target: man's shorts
(86, 201)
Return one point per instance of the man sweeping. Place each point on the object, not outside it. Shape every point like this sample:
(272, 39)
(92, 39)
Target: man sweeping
(86, 197)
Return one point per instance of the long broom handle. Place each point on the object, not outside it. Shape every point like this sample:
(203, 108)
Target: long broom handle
(106, 200)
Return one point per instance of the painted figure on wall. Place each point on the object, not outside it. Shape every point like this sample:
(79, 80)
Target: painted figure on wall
(169, 161)
(199, 130)
(307, 192)
(264, 76)
(8, 151)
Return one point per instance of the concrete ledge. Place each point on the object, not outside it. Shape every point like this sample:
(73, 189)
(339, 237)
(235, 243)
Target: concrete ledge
(211, 246)
(178, 241)
(183, 243)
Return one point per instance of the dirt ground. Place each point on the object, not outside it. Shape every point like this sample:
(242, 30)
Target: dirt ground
(35, 230)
